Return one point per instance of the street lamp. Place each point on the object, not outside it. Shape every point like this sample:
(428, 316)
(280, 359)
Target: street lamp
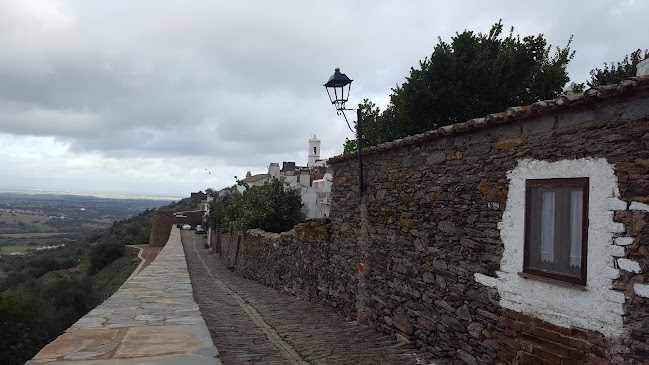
(336, 84)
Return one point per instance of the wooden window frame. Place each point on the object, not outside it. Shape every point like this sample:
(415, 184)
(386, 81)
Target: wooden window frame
(582, 182)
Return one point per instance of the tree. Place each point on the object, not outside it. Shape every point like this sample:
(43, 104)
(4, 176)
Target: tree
(615, 74)
(103, 253)
(474, 75)
(272, 207)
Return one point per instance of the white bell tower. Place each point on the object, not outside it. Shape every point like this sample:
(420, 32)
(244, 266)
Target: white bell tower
(314, 151)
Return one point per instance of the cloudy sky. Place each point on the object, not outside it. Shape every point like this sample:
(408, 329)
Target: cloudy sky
(164, 97)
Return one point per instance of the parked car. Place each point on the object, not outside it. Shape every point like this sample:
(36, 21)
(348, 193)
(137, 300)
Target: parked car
(187, 226)
(200, 229)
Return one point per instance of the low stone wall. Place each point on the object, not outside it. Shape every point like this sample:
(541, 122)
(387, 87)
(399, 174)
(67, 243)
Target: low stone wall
(130, 250)
(164, 220)
(303, 262)
(432, 249)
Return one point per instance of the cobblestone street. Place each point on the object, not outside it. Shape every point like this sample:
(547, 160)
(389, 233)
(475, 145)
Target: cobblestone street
(251, 323)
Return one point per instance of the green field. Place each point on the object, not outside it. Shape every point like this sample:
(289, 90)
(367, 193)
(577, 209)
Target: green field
(18, 221)
(32, 235)
(11, 249)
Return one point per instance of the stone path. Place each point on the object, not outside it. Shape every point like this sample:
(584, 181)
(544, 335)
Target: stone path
(151, 319)
(251, 323)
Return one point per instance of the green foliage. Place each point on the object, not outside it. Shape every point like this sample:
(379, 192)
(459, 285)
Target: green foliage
(142, 237)
(111, 278)
(185, 203)
(71, 293)
(578, 88)
(226, 210)
(474, 75)
(103, 253)
(272, 207)
(619, 72)
(14, 279)
(45, 292)
(35, 313)
(40, 263)
(23, 333)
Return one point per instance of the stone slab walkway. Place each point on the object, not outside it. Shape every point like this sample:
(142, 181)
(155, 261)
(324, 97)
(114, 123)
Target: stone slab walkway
(151, 319)
(254, 324)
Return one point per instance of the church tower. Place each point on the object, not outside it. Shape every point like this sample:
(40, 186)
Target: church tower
(314, 151)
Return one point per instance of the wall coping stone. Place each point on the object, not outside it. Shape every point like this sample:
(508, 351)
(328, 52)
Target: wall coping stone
(151, 319)
(512, 114)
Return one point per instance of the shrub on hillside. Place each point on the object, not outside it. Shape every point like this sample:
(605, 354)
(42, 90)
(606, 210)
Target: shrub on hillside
(103, 253)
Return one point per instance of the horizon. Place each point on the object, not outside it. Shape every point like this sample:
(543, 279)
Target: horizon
(104, 195)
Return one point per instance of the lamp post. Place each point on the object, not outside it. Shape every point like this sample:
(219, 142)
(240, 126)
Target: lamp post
(341, 85)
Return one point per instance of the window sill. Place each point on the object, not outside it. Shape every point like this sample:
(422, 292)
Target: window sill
(551, 281)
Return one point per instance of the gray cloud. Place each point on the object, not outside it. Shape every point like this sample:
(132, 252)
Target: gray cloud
(235, 85)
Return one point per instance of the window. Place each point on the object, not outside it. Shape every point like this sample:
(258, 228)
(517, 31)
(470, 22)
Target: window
(556, 228)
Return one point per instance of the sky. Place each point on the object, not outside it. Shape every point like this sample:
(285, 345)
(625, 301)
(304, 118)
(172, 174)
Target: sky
(158, 97)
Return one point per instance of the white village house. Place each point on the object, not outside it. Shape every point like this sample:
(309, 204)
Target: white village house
(313, 180)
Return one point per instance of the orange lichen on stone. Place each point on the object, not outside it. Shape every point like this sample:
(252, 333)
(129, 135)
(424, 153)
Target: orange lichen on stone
(506, 144)
(404, 221)
(485, 189)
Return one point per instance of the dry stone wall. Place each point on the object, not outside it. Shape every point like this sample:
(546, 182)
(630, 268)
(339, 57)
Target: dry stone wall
(404, 256)
(304, 262)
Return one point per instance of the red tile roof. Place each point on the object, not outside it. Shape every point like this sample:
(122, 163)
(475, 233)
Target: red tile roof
(254, 178)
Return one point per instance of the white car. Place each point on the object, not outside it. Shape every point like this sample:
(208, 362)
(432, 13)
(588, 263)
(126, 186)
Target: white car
(186, 227)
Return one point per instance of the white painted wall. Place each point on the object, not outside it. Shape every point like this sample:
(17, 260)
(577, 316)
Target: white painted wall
(273, 170)
(241, 189)
(309, 195)
(597, 307)
(642, 68)
(314, 143)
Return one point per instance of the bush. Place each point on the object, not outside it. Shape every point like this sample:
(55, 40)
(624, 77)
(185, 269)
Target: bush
(103, 253)
(42, 264)
(142, 237)
(272, 207)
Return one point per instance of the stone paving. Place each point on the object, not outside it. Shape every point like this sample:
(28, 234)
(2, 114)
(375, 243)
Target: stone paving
(151, 319)
(252, 323)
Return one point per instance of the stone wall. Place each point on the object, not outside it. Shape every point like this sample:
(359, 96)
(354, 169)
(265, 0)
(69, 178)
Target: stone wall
(421, 253)
(163, 220)
(304, 262)
(130, 250)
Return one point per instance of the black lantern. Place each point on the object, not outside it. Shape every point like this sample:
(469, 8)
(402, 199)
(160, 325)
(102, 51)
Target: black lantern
(337, 83)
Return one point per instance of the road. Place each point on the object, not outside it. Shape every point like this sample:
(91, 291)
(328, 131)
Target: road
(251, 323)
